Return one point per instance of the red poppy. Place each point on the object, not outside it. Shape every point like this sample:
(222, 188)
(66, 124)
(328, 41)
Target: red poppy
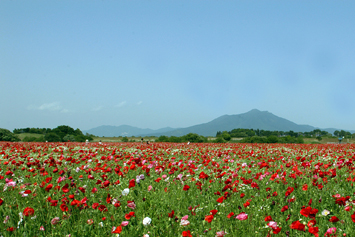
(209, 218)
(276, 230)
(65, 188)
(132, 183)
(171, 215)
(186, 187)
(313, 230)
(64, 207)
(268, 218)
(95, 205)
(246, 204)
(309, 212)
(353, 217)
(220, 199)
(102, 208)
(116, 230)
(203, 175)
(106, 183)
(296, 225)
(186, 233)
(1, 201)
(213, 212)
(311, 223)
(49, 187)
(334, 219)
(230, 215)
(284, 208)
(28, 211)
(129, 215)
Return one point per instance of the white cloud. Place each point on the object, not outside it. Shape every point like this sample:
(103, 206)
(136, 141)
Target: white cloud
(121, 104)
(55, 106)
(51, 106)
(139, 102)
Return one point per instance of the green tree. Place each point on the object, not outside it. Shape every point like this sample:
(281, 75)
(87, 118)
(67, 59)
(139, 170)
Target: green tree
(52, 137)
(6, 135)
(272, 139)
(219, 140)
(69, 137)
(226, 136)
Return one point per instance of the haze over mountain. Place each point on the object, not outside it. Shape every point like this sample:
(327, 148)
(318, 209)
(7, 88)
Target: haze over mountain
(254, 119)
(124, 130)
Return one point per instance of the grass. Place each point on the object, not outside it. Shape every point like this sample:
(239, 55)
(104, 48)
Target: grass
(23, 135)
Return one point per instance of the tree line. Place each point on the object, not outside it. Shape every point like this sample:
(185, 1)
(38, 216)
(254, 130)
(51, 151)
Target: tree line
(191, 137)
(61, 133)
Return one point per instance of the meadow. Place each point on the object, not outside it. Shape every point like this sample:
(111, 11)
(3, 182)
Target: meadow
(176, 189)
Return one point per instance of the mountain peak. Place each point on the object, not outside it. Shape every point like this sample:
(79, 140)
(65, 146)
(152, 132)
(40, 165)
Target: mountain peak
(254, 111)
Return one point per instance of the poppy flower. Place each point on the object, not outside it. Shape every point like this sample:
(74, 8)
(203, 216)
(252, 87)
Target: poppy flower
(309, 212)
(147, 221)
(284, 208)
(220, 199)
(116, 230)
(297, 225)
(242, 216)
(132, 183)
(203, 175)
(353, 217)
(171, 215)
(334, 219)
(49, 187)
(64, 207)
(102, 208)
(129, 215)
(209, 218)
(313, 230)
(28, 211)
(55, 220)
(186, 187)
(213, 212)
(95, 205)
(330, 231)
(186, 233)
(65, 188)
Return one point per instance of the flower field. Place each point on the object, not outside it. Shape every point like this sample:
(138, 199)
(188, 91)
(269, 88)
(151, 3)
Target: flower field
(170, 189)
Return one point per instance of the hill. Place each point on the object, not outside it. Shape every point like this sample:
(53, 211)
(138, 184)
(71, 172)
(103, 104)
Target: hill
(254, 119)
(124, 130)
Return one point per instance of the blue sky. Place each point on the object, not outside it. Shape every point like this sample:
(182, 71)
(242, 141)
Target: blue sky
(153, 64)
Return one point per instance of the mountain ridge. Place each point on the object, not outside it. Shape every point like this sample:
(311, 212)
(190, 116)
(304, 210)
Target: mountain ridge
(253, 119)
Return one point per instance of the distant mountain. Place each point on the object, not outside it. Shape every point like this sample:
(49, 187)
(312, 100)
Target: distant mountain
(254, 119)
(124, 130)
